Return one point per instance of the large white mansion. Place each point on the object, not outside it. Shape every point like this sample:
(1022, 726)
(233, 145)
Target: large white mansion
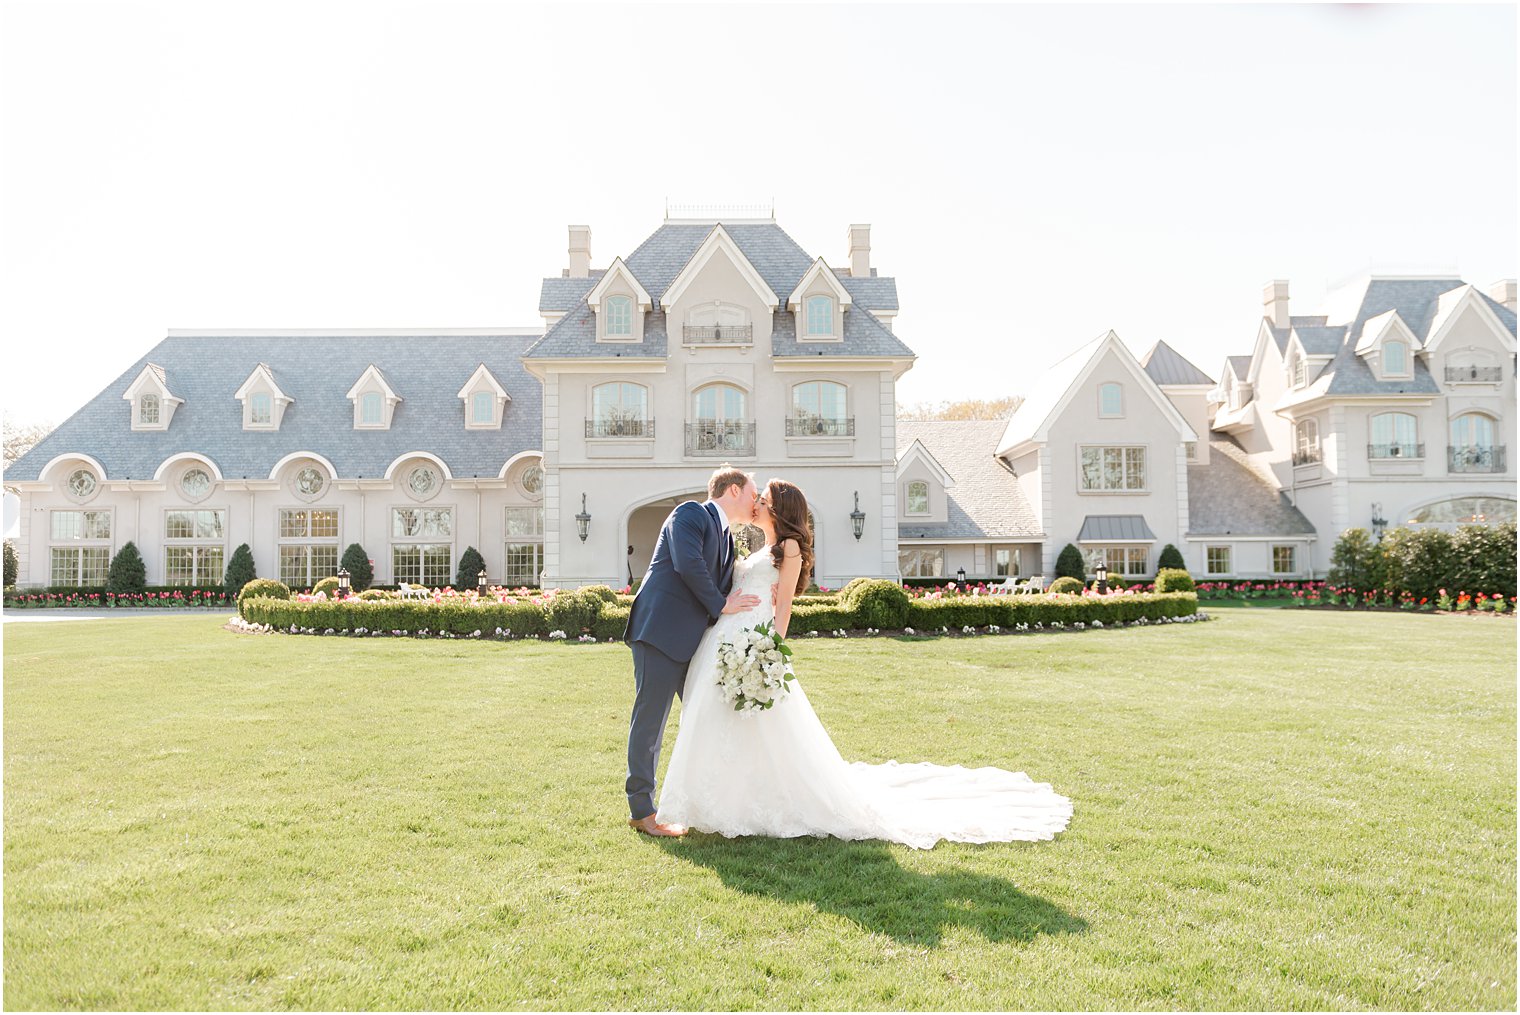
(557, 451)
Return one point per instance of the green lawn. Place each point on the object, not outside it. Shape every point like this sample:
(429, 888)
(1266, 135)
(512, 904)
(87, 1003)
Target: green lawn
(1277, 809)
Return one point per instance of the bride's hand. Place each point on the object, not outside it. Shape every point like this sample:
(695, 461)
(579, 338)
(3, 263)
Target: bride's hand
(739, 601)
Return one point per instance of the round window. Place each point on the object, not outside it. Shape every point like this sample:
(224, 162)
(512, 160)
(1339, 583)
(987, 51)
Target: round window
(81, 483)
(309, 482)
(422, 481)
(195, 483)
(533, 479)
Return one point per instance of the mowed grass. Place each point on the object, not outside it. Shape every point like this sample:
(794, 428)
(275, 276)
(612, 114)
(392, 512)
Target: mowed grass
(1276, 809)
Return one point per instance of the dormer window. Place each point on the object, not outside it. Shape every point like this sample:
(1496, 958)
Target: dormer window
(918, 497)
(485, 400)
(1110, 400)
(1297, 372)
(261, 410)
(147, 410)
(264, 403)
(152, 403)
(480, 407)
(619, 311)
(369, 413)
(820, 316)
(374, 400)
(1395, 358)
(619, 302)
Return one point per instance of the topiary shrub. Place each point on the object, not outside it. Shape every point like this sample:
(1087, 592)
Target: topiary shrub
(327, 586)
(262, 588)
(603, 592)
(820, 617)
(1171, 559)
(1171, 579)
(356, 562)
(240, 570)
(852, 588)
(12, 565)
(572, 611)
(878, 603)
(376, 595)
(127, 573)
(1066, 584)
(1071, 564)
(471, 563)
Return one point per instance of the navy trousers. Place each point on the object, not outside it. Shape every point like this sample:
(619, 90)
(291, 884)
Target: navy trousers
(658, 680)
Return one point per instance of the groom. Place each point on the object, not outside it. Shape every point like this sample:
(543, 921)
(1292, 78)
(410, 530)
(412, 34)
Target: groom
(684, 591)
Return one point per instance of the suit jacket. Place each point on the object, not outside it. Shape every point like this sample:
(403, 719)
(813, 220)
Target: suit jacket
(687, 583)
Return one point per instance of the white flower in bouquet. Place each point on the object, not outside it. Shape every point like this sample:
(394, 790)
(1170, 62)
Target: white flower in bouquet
(753, 671)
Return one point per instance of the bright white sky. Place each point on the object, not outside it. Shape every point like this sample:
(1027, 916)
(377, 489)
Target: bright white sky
(1034, 175)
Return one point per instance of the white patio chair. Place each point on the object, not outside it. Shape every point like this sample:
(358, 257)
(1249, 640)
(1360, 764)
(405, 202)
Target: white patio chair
(413, 591)
(1033, 587)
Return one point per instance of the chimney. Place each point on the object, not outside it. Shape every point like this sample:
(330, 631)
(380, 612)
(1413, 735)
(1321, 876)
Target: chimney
(1274, 302)
(580, 251)
(1503, 292)
(860, 251)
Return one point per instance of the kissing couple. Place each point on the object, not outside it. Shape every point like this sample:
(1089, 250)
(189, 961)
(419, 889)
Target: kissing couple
(776, 772)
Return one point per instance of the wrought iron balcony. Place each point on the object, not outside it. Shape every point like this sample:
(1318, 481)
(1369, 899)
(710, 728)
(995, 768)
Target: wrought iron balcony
(728, 334)
(619, 427)
(1475, 459)
(818, 426)
(720, 437)
(1306, 456)
(1382, 451)
(1488, 375)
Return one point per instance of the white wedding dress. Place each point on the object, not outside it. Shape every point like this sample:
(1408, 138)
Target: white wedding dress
(776, 773)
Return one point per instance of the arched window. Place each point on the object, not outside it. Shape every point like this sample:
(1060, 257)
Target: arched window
(918, 498)
(1471, 448)
(1394, 435)
(619, 313)
(620, 409)
(818, 408)
(1110, 399)
(147, 409)
(482, 407)
(1395, 358)
(1472, 430)
(820, 315)
(720, 425)
(722, 402)
(1306, 442)
(1465, 511)
(369, 407)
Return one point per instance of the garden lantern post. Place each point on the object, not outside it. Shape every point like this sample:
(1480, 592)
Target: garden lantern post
(344, 583)
(1101, 571)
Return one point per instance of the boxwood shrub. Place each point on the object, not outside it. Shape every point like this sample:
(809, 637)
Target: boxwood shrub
(1171, 579)
(263, 588)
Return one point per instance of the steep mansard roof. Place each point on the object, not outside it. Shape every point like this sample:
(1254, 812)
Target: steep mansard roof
(316, 371)
(986, 501)
(776, 257)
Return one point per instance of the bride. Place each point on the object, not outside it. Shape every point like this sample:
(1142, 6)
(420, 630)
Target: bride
(777, 773)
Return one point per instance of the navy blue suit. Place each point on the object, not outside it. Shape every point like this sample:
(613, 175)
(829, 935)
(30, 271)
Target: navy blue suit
(682, 594)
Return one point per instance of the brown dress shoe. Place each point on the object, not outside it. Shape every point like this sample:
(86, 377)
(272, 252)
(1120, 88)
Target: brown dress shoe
(649, 826)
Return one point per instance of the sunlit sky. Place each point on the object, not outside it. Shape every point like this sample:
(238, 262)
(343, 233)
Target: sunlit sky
(1034, 175)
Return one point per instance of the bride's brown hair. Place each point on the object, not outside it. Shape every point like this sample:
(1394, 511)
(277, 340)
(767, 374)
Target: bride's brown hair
(789, 513)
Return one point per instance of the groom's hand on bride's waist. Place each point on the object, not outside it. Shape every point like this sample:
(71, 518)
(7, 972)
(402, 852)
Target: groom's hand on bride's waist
(739, 601)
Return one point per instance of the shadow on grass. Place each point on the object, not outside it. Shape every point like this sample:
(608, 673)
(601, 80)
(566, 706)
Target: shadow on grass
(861, 881)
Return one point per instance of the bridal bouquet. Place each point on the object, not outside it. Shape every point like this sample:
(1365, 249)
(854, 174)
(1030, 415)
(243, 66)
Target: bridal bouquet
(754, 669)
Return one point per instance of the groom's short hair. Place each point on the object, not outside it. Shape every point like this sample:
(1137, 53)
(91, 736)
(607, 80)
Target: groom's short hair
(725, 477)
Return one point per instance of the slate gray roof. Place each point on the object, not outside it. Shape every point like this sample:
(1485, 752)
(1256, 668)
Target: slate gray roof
(775, 256)
(1228, 497)
(1321, 341)
(1240, 366)
(317, 372)
(561, 294)
(1167, 366)
(1280, 335)
(986, 501)
(1116, 528)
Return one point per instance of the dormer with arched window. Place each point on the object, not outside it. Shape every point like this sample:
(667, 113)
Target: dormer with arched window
(152, 402)
(264, 403)
(374, 400)
(819, 302)
(1388, 346)
(619, 303)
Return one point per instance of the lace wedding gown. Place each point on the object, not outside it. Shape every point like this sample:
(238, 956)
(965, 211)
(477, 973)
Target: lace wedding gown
(777, 773)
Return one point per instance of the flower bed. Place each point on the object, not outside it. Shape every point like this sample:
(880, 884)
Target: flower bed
(1345, 597)
(164, 598)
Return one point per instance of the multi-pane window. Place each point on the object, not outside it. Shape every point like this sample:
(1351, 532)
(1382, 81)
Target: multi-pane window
(1284, 560)
(619, 311)
(620, 409)
(369, 407)
(422, 547)
(308, 546)
(1217, 559)
(524, 546)
(1110, 399)
(481, 408)
(1472, 430)
(1120, 560)
(1394, 435)
(1465, 511)
(260, 409)
(1306, 442)
(1395, 358)
(81, 547)
(1300, 373)
(195, 546)
(921, 562)
(1117, 468)
(722, 402)
(818, 407)
(1005, 562)
(820, 315)
(147, 409)
(918, 498)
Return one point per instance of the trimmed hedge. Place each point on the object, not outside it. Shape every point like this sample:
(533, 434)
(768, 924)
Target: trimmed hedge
(262, 588)
(1066, 585)
(1171, 579)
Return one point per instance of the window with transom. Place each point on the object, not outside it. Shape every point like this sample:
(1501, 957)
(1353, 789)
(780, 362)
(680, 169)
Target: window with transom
(80, 547)
(422, 545)
(1107, 469)
(195, 546)
(619, 409)
(308, 540)
(524, 545)
(818, 408)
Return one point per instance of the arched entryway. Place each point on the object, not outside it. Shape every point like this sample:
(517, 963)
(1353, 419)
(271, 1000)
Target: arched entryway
(642, 529)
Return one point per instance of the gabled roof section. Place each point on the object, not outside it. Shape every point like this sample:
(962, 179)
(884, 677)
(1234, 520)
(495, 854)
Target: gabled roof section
(561, 293)
(616, 271)
(872, 292)
(1385, 326)
(1227, 497)
(819, 270)
(718, 242)
(1280, 335)
(574, 337)
(1167, 366)
(155, 377)
(1239, 366)
(1054, 391)
(263, 373)
(917, 452)
(864, 336)
(1449, 309)
(988, 502)
(1320, 340)
(373, 376)
(483, 374)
